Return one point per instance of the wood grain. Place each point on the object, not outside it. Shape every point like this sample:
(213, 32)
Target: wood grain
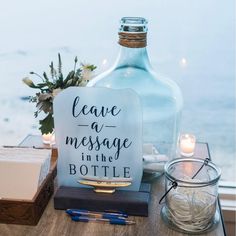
(57, 223)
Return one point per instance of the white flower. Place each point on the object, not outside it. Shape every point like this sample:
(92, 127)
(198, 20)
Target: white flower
(28, 82)
(87, 72)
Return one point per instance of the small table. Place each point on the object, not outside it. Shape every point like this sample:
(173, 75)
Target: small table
(56, 222)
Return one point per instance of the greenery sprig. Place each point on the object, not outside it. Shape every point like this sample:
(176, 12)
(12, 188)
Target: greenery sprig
(49, 87)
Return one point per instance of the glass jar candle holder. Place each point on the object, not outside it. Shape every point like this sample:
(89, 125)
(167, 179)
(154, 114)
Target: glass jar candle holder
(191, 187)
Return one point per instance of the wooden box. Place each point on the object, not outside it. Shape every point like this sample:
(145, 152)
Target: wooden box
(131, 202)
(28, 212)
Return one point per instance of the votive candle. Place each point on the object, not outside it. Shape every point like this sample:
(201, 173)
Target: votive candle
(187, 145)
(48, 138)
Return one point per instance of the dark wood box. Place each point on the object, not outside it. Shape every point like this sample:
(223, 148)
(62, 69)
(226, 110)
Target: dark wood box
(28, 212)
(130, 202)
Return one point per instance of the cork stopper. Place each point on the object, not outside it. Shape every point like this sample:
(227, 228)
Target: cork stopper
(133, 32)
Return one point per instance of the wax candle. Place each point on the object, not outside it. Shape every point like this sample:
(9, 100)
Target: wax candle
(48, 138)
(187, 144)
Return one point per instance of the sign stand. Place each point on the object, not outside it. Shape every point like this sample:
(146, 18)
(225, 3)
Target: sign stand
(99, 142)
(131, 202)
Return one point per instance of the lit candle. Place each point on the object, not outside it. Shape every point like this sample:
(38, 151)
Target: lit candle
(48, 138)
(183, 62)
(187, 144)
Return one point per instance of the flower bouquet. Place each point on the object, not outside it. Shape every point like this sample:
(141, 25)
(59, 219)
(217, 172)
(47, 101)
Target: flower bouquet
(49, 87)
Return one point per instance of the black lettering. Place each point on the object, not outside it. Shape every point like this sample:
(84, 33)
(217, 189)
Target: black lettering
(88, 157)
(105, 170)
(94, 169)
(113, 111)
(104, 159)
(95, 127)
(72, 168)
(93, 110)
(118, 145)
(83, 170)
(126, 172)
(95, 144)
(127, 145)
(114, 172)
(76, 101)
(70, 141)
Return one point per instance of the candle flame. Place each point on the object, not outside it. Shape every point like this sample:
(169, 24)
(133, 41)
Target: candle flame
(183, 62)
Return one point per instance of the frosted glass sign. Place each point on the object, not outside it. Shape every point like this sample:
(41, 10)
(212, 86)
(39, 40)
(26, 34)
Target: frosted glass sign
(99, 135)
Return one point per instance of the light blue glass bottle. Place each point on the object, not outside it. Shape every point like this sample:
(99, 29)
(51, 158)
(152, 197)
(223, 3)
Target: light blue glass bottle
(160, 97)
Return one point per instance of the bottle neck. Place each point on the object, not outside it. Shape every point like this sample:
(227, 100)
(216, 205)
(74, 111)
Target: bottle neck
(133, 57)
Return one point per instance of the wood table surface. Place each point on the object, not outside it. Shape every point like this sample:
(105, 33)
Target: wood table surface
(56, 222)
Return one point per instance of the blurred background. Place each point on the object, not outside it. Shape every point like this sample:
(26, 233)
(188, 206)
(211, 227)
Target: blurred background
(192, 42)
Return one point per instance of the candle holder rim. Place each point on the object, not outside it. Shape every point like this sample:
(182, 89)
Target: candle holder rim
(194, 184)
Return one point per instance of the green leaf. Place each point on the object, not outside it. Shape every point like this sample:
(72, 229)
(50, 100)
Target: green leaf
(42, 85)
(52, 70)
(36, 113)
(47, 124)
(76, 60)
(78, 72)
(59, 64)
(68, 77)
(91, 67)
(45, 76)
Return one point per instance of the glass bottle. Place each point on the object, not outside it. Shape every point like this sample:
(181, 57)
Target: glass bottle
(161, 98)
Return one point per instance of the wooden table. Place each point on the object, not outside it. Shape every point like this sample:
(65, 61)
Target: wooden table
(55, 222)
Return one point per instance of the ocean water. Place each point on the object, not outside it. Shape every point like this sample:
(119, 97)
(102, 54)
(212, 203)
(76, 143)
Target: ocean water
(192, 42)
